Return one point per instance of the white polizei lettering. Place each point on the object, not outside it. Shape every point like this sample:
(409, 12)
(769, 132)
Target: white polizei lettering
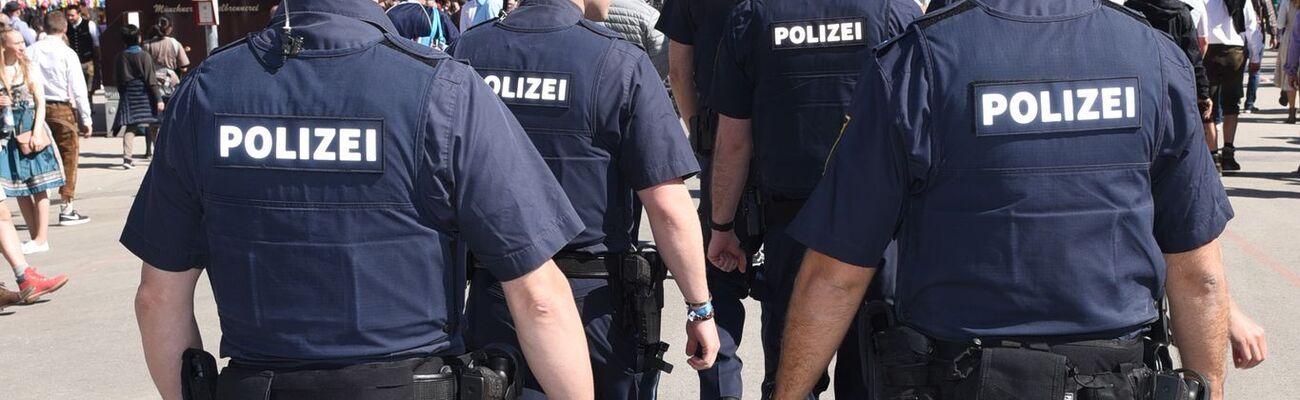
(252, 146)
(548, 88)
(505, 88)
(1067, 103)
(519, 87)
(834, 34)
(780, 34)
(854, 32)
(1030, 106)
(1130, 102)
(349, 143)
(372, 148)
(230, 138)
(282, 151)
(534, 84)
(1110, 103)
(994, 105)
(1086, 112)
(493, 82)
(304, 144)
(798, 35)
(1045, 107)
(564, 90)
(322, 149)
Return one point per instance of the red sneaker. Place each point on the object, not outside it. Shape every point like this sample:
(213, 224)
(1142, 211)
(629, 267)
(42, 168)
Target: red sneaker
(37, 285)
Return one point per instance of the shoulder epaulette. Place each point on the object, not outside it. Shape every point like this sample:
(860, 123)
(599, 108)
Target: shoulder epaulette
(421, 53)
(1126, 11)
(229, 46)
(941, 14)
(488, 22)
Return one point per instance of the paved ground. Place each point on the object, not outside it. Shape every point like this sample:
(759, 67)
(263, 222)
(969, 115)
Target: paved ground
(83, 343)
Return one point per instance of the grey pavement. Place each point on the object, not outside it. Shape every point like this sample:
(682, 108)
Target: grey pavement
(83, 343)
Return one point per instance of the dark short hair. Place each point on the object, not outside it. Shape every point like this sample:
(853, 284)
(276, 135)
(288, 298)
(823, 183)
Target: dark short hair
(131, 35)
(56, 22)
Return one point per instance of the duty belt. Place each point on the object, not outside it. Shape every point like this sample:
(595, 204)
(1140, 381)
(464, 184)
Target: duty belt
(779, 212)
(576, 265)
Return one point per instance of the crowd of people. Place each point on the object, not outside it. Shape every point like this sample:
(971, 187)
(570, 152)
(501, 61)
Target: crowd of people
(47, 85)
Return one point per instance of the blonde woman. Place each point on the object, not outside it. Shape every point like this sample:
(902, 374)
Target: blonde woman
(25, 175)
(33, 166)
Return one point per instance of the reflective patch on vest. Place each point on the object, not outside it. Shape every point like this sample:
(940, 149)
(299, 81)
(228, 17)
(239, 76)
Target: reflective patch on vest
(549, 89)
(1055, 106)
(300, 143)
(833, 32)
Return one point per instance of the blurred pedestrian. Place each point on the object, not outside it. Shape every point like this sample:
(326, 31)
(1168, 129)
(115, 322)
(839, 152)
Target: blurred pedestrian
(83, 37)
(635, 21)
(475, 12)
(1235, 42)
(170, 63)
(67, 106)
(140, 99)
(1285, 18)
(14, 10)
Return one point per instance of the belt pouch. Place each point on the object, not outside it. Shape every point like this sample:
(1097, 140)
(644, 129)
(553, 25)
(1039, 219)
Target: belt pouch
(1016, 374)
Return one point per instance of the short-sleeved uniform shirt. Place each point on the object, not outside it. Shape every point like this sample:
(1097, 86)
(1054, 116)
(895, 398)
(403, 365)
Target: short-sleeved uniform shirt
(328, 194)
(698, 23)
(791, 67)
(1030, 194)
(593, 105)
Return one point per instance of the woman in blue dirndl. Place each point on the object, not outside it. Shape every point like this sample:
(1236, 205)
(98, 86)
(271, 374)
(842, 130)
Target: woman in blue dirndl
(28, 177)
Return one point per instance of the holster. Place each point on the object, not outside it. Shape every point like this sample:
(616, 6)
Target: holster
(637, 283)
(198, 375)
(493, 373)
(704, 131)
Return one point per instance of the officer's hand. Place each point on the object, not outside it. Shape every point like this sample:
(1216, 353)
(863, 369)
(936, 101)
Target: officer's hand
(1254, 67)
(701, 344)
(1249, 346)
(725, 252)
(85, 131)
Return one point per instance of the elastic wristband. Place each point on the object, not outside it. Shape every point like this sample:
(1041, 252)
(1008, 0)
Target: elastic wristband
(727, 227)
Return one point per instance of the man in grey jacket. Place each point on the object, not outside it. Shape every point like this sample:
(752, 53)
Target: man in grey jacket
(635, 20)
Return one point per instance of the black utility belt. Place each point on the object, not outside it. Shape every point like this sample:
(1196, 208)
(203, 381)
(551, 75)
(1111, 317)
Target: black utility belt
(489, 374)
(780, 212)
(1046, 368)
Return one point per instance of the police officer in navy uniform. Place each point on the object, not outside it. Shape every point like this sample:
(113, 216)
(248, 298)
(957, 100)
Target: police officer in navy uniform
(595, 108)
(1041, 204)
(783, 82)
(331, 222)
(694, 28)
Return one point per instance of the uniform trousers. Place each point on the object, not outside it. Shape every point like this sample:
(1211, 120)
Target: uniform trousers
(612, 350)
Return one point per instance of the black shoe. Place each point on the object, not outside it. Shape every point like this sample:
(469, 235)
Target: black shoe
(1229, 159)
(1282, 98)
(71, 218)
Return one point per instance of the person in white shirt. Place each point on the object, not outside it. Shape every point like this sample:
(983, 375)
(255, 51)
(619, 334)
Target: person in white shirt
(475, 12)
(67, 105)
(1234, 36)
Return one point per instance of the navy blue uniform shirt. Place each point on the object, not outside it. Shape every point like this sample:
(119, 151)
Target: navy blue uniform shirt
(1031, 194)
(698, 23)
(593, 105)
(791, 66)
(323, 192)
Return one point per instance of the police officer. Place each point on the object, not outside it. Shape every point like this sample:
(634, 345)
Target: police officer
(595, 108)
(783, 82)
(1041, 205)
(331, 224)
(694, 28)
(427, 25)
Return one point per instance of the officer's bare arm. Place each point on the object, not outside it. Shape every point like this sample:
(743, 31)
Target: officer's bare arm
(1198, 307)
(681, 74)
(164, 308)
(731, 156)
(550, 332)
(826, 296)
(676, 230)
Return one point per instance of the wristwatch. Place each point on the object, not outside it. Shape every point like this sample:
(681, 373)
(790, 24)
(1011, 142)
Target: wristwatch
(727, 227)
(699, 311)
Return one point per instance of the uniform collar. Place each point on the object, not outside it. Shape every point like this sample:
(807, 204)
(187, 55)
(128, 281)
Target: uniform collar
(332, 24)
(1040, 9)
(543, 15)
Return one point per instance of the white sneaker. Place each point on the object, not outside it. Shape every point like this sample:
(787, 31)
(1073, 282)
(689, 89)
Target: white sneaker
(30, 247)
